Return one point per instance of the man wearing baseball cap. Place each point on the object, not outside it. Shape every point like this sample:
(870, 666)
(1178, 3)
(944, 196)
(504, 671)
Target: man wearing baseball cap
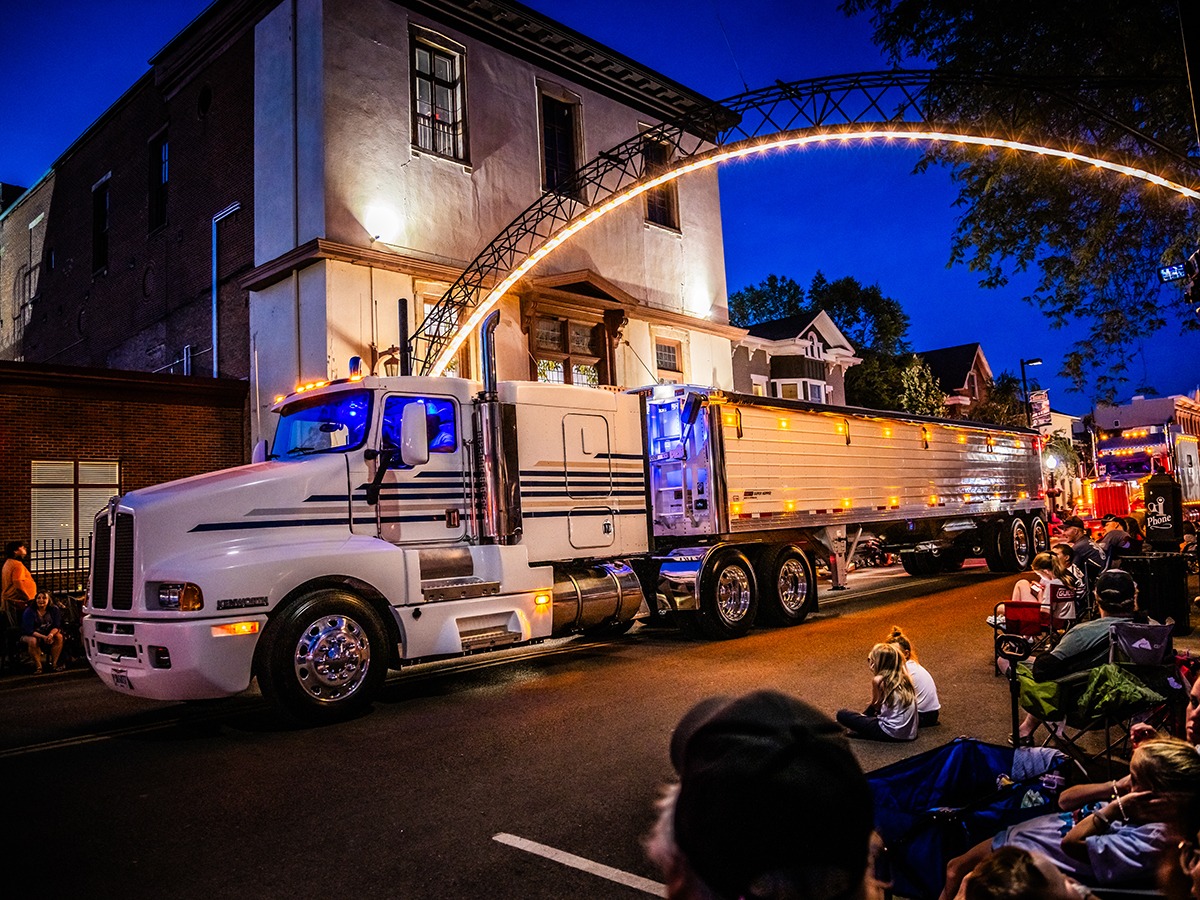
(770, 804)
(1085, 553)
(1115, 542)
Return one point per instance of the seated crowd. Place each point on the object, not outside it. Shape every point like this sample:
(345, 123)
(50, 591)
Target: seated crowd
(730, 826)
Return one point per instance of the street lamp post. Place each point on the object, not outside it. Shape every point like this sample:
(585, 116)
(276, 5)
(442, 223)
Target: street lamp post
(1036, 361)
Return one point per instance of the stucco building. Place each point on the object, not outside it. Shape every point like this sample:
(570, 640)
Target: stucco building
(288, 176)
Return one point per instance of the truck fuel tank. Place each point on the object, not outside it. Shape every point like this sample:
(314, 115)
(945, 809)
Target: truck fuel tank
(588, 595)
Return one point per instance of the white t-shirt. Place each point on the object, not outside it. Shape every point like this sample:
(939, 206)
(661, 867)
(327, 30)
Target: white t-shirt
(927, 698)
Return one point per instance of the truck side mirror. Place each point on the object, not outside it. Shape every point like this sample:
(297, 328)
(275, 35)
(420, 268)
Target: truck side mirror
(691, 408)
(414, 435)
(259, 453)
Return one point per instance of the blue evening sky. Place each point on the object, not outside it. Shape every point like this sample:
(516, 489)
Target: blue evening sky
(854, 211)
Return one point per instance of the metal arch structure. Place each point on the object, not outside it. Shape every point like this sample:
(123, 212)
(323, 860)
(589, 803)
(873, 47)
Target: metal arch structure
(893, 105)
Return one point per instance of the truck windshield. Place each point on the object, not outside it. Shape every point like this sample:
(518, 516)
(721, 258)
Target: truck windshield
(330, 423)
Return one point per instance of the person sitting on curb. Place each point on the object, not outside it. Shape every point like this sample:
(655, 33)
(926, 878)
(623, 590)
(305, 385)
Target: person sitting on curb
(41, 630)
(770, 804)
(1085, 645)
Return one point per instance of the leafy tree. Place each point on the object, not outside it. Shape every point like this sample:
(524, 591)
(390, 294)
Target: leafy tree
(775, 298)
(920, 392)
(1003, 403)
(1094, 238)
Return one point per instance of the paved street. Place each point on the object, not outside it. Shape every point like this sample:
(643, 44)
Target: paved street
(563, 745)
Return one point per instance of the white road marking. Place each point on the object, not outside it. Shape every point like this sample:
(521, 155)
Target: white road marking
(578, 862)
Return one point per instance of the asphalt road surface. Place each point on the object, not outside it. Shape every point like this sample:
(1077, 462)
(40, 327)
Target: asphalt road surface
(526, 774)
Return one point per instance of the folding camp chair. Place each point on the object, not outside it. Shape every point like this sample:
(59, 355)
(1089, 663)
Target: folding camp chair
(934, 806)
(1029, 620)
(1140, 683)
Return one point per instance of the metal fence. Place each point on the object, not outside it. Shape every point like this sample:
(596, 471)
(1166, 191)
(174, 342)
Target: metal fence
(60, 566)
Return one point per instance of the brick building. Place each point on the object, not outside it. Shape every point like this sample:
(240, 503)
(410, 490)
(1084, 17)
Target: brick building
(73, 437)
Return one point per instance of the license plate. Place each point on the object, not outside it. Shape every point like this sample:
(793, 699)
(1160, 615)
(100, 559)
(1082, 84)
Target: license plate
(121, 680)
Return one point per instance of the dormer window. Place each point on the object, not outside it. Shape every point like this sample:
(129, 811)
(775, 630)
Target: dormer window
(812, 348)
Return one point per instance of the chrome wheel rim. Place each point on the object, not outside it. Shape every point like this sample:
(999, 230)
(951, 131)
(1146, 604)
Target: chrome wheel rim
(1041, 536)
(332, 658)
(733, 593)
(1020, 538)
(792, 585)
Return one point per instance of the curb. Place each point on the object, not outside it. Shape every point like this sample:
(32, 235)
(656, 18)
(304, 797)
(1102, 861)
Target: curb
(10, 682)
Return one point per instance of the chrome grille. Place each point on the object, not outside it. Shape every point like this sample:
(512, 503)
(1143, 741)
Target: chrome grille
(122, 582)
(101, 541)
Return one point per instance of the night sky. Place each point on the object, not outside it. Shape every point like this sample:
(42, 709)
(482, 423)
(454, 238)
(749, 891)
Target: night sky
(854, 211)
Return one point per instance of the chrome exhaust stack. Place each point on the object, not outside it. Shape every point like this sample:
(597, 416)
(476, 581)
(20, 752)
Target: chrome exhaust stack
(496, 425)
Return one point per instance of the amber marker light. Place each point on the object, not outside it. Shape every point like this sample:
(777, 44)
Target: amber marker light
(962, 438)
(846, 503)
(235, 628)
(887, 432)
(719, 155)
(541, 599)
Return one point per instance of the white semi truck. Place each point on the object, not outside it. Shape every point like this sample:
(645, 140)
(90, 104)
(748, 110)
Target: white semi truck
(407, 518)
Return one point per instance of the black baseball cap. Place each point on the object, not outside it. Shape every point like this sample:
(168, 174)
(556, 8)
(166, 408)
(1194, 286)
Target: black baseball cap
(1115, 589)
(767, 783)
(1074, 522)
(1109, 517)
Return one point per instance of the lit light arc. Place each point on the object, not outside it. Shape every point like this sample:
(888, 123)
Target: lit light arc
(761, 145)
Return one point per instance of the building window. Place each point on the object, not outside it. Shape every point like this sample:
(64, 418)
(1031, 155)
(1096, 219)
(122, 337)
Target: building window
(972, 386)
(802, 389)
(439, 102)
(812, 348)
(442, 324)
(668, 360)
(100, 226)
(662, 204)
(65, 496)
(157, 181)
(568, 352)
(560, 131)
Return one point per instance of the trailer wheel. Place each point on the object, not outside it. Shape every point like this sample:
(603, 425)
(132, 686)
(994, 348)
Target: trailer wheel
(952, 560)
(324, 658)
(789, 591)
(728, 597)
(991, 549)
(1039, 535)
(920, 563)
(1016, 546)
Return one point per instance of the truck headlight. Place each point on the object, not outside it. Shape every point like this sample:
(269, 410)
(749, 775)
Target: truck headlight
(181, 597)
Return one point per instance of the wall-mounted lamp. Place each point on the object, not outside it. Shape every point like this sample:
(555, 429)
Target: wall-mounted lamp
(389, 357)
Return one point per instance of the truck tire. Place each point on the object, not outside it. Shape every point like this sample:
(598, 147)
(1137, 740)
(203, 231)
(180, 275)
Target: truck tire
(1039, 534)
(991, 549)
(324, 658)
(1016, 546)
(951, 560)
(789, 590)
(728, 597)
(920, 563)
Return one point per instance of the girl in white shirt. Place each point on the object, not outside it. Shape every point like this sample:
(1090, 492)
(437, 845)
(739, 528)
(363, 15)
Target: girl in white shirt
(928, 705)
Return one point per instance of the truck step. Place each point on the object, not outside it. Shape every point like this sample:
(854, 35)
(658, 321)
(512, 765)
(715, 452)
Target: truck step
(458, 589)
(487, 638)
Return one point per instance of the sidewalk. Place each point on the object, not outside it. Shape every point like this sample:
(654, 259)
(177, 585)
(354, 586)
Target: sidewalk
(20, 673)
